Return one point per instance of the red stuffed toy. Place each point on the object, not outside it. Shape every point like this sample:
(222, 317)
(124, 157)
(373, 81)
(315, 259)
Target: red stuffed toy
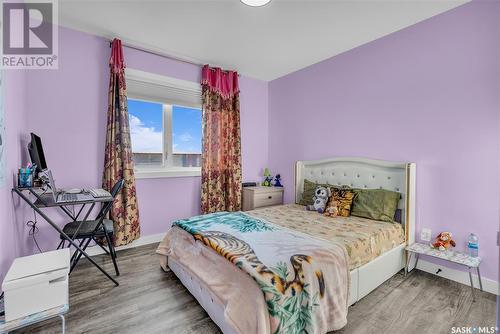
(443, 241)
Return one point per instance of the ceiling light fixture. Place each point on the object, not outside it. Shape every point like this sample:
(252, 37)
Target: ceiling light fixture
(255, 3)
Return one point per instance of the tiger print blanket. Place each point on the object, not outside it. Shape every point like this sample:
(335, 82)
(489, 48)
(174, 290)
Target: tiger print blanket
(305, 281)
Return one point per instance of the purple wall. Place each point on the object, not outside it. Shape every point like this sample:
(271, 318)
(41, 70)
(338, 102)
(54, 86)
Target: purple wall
(71, 102)
(15, 116)
(427, 94)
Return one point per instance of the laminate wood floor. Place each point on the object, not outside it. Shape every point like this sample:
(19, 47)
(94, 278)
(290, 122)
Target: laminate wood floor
(149, 300)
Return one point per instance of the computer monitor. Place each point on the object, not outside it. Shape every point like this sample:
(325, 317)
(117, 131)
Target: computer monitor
(37, 156)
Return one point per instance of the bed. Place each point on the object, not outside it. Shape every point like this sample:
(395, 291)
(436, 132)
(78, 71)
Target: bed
(375, 249)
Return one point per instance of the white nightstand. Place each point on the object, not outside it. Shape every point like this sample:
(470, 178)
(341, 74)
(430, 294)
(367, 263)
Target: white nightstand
(448, 255)
(258, 197)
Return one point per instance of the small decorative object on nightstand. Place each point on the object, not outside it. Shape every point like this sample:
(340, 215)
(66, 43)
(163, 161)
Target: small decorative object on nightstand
(277, 181)
(258, 197)
(268, 178)
(443, 241)
(448, 255)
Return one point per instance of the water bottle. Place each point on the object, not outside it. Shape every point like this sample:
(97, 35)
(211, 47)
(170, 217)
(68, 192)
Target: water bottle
(473, 245)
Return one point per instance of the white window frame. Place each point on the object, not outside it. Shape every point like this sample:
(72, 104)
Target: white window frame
(166, 170)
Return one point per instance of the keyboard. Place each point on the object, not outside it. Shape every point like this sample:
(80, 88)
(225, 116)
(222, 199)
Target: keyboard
(69, 197)
(65, 197)
(96, 193)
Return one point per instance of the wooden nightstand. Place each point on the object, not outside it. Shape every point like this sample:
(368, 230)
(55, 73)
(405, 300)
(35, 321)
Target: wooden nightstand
(258, 197)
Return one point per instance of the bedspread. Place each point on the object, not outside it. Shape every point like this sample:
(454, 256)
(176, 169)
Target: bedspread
(364, 239)
(304, 280)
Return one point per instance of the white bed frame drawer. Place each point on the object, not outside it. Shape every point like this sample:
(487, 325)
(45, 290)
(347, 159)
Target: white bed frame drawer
(376, 272)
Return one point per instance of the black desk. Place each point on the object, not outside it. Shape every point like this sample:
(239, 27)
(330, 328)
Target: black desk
(46, 200)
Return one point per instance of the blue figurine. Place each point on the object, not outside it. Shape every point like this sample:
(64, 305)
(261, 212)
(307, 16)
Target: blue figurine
(277, 181)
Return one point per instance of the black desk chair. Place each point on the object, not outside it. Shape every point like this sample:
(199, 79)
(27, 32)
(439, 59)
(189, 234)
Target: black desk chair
(93, 230)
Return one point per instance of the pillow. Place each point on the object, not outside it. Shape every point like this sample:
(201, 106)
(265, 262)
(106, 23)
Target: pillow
(398, 216)
(378, 204)
(339, 204)
(308, 193)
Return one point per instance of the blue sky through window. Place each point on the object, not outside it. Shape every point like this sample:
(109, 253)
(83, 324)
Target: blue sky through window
(146, 127)
(186, 130)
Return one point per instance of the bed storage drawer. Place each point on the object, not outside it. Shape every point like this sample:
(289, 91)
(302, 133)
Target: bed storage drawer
(374, 273)
(258, 197)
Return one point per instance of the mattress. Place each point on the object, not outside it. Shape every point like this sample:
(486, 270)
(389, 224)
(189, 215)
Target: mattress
(364, 239)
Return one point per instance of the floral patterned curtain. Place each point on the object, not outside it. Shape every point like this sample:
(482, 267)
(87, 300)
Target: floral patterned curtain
(221, 153)
(118, 163)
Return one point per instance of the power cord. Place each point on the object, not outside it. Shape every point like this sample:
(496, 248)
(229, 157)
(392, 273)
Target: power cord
(33, 230)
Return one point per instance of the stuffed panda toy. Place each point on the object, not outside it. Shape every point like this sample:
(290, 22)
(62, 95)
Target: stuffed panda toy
(321, 195)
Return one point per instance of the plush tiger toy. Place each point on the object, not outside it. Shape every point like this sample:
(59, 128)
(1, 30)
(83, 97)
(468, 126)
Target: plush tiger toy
(340, 203)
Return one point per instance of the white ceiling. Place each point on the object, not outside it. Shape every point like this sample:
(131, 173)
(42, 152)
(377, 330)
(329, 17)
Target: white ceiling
(262, 42)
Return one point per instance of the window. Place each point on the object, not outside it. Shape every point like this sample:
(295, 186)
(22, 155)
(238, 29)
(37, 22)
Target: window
(146, 132)
(186, 136)
(165, 125)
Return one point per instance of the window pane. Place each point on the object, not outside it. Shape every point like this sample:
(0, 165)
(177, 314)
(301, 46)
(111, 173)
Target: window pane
(186, 136)
(146, 132)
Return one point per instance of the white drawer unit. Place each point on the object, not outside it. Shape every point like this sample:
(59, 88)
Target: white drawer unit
(36, 283)
(258, 197)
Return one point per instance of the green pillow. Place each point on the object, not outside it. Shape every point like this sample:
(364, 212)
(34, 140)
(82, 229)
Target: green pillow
(378, 204)
(308, 193)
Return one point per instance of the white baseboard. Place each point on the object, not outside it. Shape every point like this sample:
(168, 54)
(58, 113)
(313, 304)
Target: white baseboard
(489, 285)
(145, 240)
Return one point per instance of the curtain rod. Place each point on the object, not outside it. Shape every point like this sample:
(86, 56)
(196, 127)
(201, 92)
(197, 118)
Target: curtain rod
(164, 55)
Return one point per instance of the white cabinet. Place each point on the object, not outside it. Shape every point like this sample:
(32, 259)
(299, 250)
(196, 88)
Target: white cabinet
(36, 283)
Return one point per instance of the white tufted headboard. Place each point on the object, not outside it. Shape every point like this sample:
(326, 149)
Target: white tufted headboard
(364, 174)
